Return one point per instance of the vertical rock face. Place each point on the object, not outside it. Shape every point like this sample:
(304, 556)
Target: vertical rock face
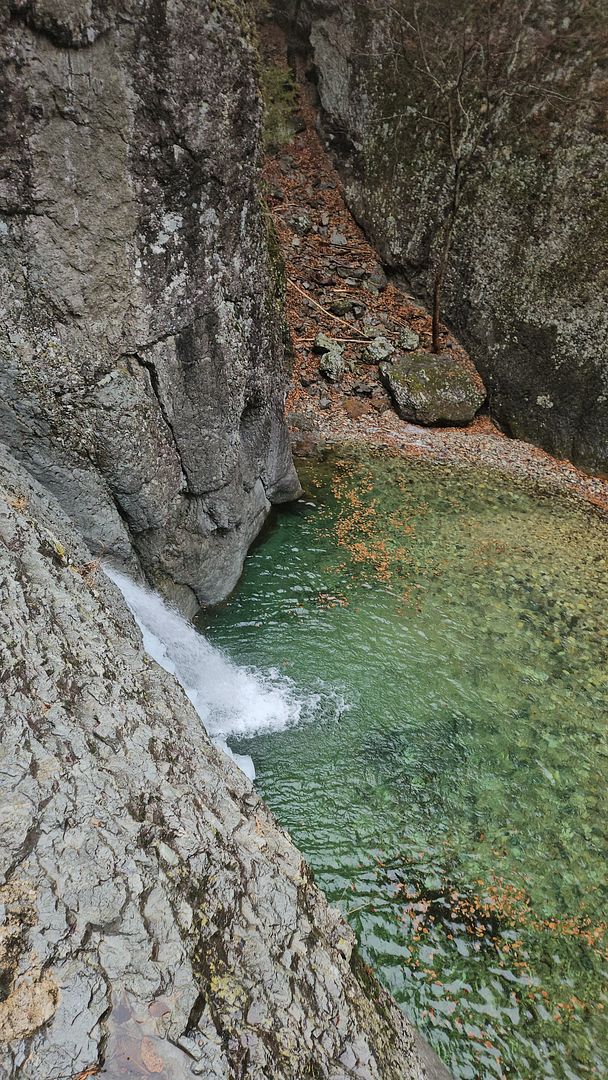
(154, 920)
(142, 367)
(527, 282)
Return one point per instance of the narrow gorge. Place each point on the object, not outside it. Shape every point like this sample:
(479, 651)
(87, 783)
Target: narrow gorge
(302, 764)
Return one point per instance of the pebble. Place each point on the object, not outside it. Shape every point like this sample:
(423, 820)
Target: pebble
(379, 349)
(409, 339)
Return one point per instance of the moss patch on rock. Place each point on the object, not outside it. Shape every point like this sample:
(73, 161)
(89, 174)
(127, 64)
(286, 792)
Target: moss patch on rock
(279, 97)
(429, 389)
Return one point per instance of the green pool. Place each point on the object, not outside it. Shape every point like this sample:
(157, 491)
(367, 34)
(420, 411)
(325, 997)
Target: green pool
(446, 633)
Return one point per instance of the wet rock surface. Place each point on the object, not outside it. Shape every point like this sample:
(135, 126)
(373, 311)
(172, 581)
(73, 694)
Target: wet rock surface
(142, 367)
(428, 389)
(155, 920)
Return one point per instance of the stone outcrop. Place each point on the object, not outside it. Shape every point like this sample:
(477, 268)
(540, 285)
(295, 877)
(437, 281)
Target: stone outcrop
(527, 281)
(154, 918)
(142, 366)
(429, 389)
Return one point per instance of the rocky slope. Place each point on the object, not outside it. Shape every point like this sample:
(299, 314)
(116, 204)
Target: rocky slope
(526, 283)
(156, 921)
(142, 369)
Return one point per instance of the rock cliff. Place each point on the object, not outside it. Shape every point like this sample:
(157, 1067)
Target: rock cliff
(155, 920)
(527, 282)
(142, 366)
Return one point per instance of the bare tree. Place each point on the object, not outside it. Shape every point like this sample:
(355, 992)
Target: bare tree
(474, 61)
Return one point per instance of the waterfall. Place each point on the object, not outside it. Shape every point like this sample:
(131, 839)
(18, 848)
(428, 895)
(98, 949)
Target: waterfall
(229, 699)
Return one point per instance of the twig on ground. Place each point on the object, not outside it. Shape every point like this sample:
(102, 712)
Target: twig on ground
(310, 340)
(329, 314)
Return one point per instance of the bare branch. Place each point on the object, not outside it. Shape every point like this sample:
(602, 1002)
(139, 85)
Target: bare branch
(473, 66)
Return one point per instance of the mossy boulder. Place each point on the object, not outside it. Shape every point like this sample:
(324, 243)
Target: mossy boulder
(429, 389)
(379, 349)
(409, 339)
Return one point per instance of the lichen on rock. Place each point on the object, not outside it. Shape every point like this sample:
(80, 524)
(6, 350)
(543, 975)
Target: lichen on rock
(142, 359)
(429, 389)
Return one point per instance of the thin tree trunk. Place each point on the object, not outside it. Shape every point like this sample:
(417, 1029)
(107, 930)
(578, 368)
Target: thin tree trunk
(436, 308)
(442, 265)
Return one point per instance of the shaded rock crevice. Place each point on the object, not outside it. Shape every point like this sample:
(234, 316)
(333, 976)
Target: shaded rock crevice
(148, 366)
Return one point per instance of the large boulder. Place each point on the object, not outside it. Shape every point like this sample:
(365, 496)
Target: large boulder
(154, 920)
(429, 389)
(142, 365)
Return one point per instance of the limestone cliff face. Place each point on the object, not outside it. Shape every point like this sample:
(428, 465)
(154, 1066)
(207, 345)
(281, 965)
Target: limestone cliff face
(154, 920)
(142, 369)
(527, 283)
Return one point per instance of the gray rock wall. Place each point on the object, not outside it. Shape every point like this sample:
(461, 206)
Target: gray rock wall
(154, 920)
(527, 286)
(142, 368)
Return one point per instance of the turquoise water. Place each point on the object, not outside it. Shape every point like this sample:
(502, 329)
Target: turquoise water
(446, 634)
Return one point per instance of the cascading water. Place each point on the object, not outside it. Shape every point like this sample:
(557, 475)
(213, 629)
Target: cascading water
(230, 700)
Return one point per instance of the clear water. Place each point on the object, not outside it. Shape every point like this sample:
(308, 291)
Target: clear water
(446, 774)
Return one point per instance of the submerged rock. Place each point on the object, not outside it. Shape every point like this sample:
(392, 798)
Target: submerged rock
(155, 919)
(429, 389)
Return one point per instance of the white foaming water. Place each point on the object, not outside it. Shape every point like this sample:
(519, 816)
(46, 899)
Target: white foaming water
(230, 700)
